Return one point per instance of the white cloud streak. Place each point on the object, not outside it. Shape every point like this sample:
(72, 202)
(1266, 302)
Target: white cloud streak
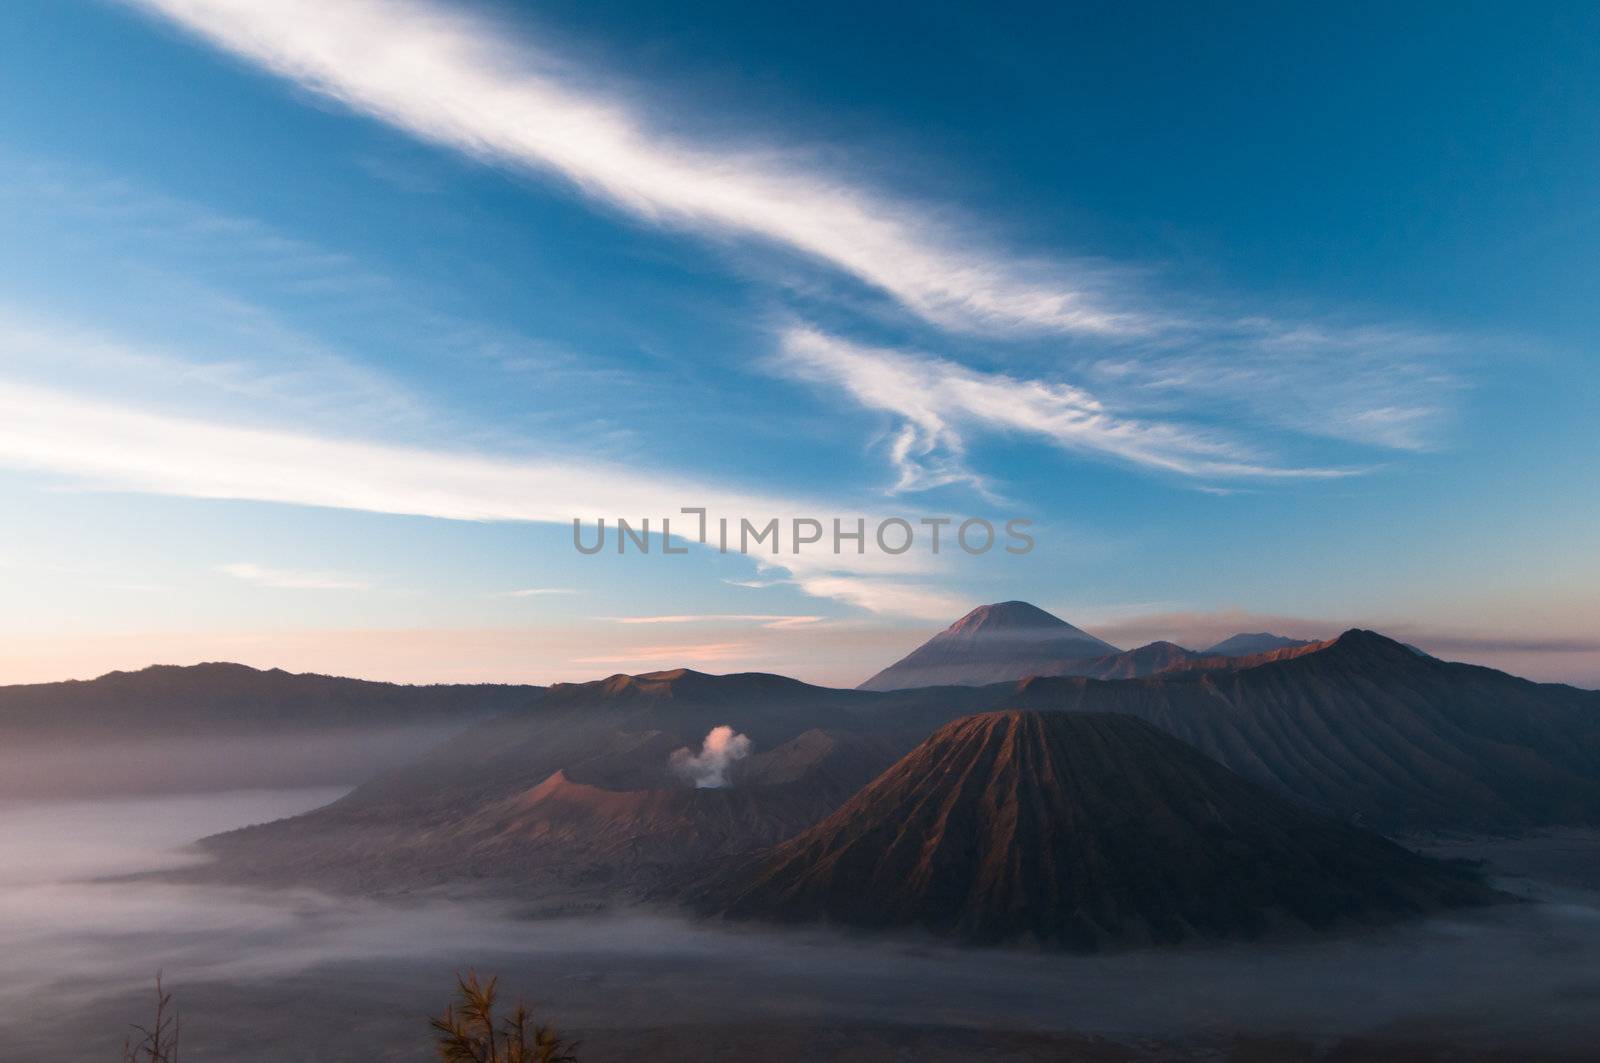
(465, 82)
(300, 376)
(676, 653)
(938, 401)
(109, 447)
(292, 579)
(771, 621)
(101, 445)
(454, 79)
(1377, 386)
(887, 596)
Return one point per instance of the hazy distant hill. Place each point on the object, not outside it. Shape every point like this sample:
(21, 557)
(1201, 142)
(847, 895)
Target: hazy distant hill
(1082, 831)
(237, 697)
(1246, 643)
(169, 729)
(992, 644)
(1150, 659)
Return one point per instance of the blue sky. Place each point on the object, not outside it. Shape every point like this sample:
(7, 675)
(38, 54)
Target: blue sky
(318, 321)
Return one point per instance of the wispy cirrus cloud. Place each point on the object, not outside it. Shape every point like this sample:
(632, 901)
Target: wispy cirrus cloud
(939, 401)
(1383, 386)
(771, 621)
(292, 579)
(301, 377)
(465, 82)
(676, 653)
(106, 445)
(101, 445)
(461, 80)
(538, 592)
(896, 597)
(233, 275)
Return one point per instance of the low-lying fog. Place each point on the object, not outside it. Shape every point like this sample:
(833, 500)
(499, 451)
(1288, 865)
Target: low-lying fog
(263, 975)
(77, 764)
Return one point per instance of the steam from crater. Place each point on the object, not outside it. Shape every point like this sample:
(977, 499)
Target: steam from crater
(708, 769)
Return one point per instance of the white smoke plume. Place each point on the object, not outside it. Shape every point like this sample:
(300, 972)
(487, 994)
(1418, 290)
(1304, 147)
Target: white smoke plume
(708, 769)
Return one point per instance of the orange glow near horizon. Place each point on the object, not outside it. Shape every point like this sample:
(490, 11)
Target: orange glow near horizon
(831, 653)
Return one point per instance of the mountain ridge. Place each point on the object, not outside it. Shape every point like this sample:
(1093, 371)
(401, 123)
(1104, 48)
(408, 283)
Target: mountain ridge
(1358, 728)
(1083, 831)
(222, 695)
(1364, 728)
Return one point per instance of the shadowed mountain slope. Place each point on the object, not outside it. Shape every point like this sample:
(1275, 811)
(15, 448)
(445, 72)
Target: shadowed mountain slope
(1365, 728)
(1081, 831)
(992, 644)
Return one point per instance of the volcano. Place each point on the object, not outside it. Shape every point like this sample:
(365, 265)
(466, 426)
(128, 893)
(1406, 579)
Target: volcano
(992, 644)
(1081, 831)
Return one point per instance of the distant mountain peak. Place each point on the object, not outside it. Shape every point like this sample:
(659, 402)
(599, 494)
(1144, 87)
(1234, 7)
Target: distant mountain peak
(994, 643)
(1164, 645)
(1372, 644)
(1003, 616)
(199, 670)
(1250, 643)
(672, 675)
